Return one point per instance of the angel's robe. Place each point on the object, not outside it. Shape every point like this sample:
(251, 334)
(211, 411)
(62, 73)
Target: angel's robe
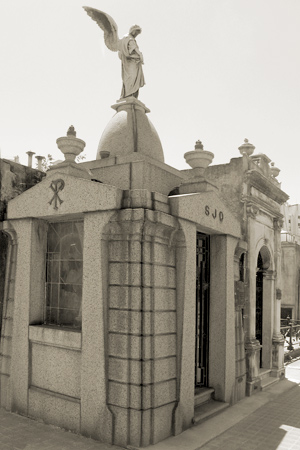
(132, 71)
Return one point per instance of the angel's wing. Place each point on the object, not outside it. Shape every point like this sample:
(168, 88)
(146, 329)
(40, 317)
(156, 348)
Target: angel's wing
(108, 25)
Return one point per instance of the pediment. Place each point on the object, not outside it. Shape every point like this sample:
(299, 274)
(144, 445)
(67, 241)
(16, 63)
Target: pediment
(61, 194)
(208, 211)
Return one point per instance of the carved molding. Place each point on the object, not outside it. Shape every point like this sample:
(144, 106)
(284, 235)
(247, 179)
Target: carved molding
(270, 275)
(252, 211)
(7, 228)
(252, 346)
(139, 224)
(266, 186)
(278, 223)
(278, 339)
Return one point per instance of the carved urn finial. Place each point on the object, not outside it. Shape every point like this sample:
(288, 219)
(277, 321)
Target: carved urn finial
(274, 170)
(247, 148)
(71, 131)
(70, 145)
(199, 159)
(198, 145)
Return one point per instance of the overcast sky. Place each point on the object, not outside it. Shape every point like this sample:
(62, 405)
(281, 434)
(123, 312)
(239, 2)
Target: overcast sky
(216, 70)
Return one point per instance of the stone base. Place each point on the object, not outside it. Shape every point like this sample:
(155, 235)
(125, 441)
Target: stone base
(253, 348)
(278, 373)
(70, 168)
(278, 354)
(196, 185)
(123, 102)
(252, 387)
(146, 427)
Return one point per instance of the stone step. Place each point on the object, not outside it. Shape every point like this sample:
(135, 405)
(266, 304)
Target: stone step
(264, 373)
(268, 381)
(208, 410)
(202, 395)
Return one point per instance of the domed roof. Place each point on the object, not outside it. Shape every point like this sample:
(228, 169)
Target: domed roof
(130, 131)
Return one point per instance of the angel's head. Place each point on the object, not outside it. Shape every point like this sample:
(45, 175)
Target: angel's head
(135, 30)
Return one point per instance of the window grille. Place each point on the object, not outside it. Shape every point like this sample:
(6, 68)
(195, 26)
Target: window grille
(242, 267)
(64, 274)
(286, 312)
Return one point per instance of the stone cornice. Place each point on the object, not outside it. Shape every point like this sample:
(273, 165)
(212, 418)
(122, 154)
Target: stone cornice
(254, 205)
(266, 186)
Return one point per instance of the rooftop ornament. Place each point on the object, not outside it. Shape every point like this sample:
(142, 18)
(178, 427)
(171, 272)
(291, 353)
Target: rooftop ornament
(30, 155)
(70, 145)
(71, 131)
(127, 48)
(199, 159)
(40, 162)
(246, 148)
(274, 170)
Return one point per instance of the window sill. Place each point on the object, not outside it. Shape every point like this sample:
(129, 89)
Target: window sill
(56, 337)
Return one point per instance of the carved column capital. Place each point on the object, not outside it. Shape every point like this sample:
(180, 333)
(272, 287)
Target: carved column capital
(270, 274)
(252, 345)
(252, 211)
(278, 223)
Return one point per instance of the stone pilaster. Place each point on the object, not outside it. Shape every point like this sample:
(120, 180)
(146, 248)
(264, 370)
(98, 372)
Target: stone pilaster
(7, 317)
(222, 317)
(142, 346)
(28, 304)
(186, 312)
(94, 409)
(269, 278)
(277, 340)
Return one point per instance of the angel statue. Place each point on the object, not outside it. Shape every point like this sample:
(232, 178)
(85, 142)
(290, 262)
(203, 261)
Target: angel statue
(127, 48)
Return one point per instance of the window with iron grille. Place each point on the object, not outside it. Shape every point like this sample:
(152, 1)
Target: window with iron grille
(64, 274)
(286, 312)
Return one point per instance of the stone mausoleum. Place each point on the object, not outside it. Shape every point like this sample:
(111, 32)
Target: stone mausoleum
(139, 299)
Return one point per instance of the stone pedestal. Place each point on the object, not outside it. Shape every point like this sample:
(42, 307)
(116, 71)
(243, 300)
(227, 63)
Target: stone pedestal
(253, 382)
(196, 184)
(71, 147)
(199, 160)
(130, 131)
(278, 356)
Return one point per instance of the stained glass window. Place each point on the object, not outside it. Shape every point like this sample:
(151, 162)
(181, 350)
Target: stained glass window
(64, 274)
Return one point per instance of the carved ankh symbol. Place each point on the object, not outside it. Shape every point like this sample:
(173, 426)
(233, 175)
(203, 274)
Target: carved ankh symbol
(56, 186)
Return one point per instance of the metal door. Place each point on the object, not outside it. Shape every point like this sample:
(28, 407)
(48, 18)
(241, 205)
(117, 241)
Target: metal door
(202, 310)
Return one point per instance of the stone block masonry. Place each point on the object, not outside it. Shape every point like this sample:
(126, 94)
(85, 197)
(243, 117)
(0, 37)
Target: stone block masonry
(142, 338)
